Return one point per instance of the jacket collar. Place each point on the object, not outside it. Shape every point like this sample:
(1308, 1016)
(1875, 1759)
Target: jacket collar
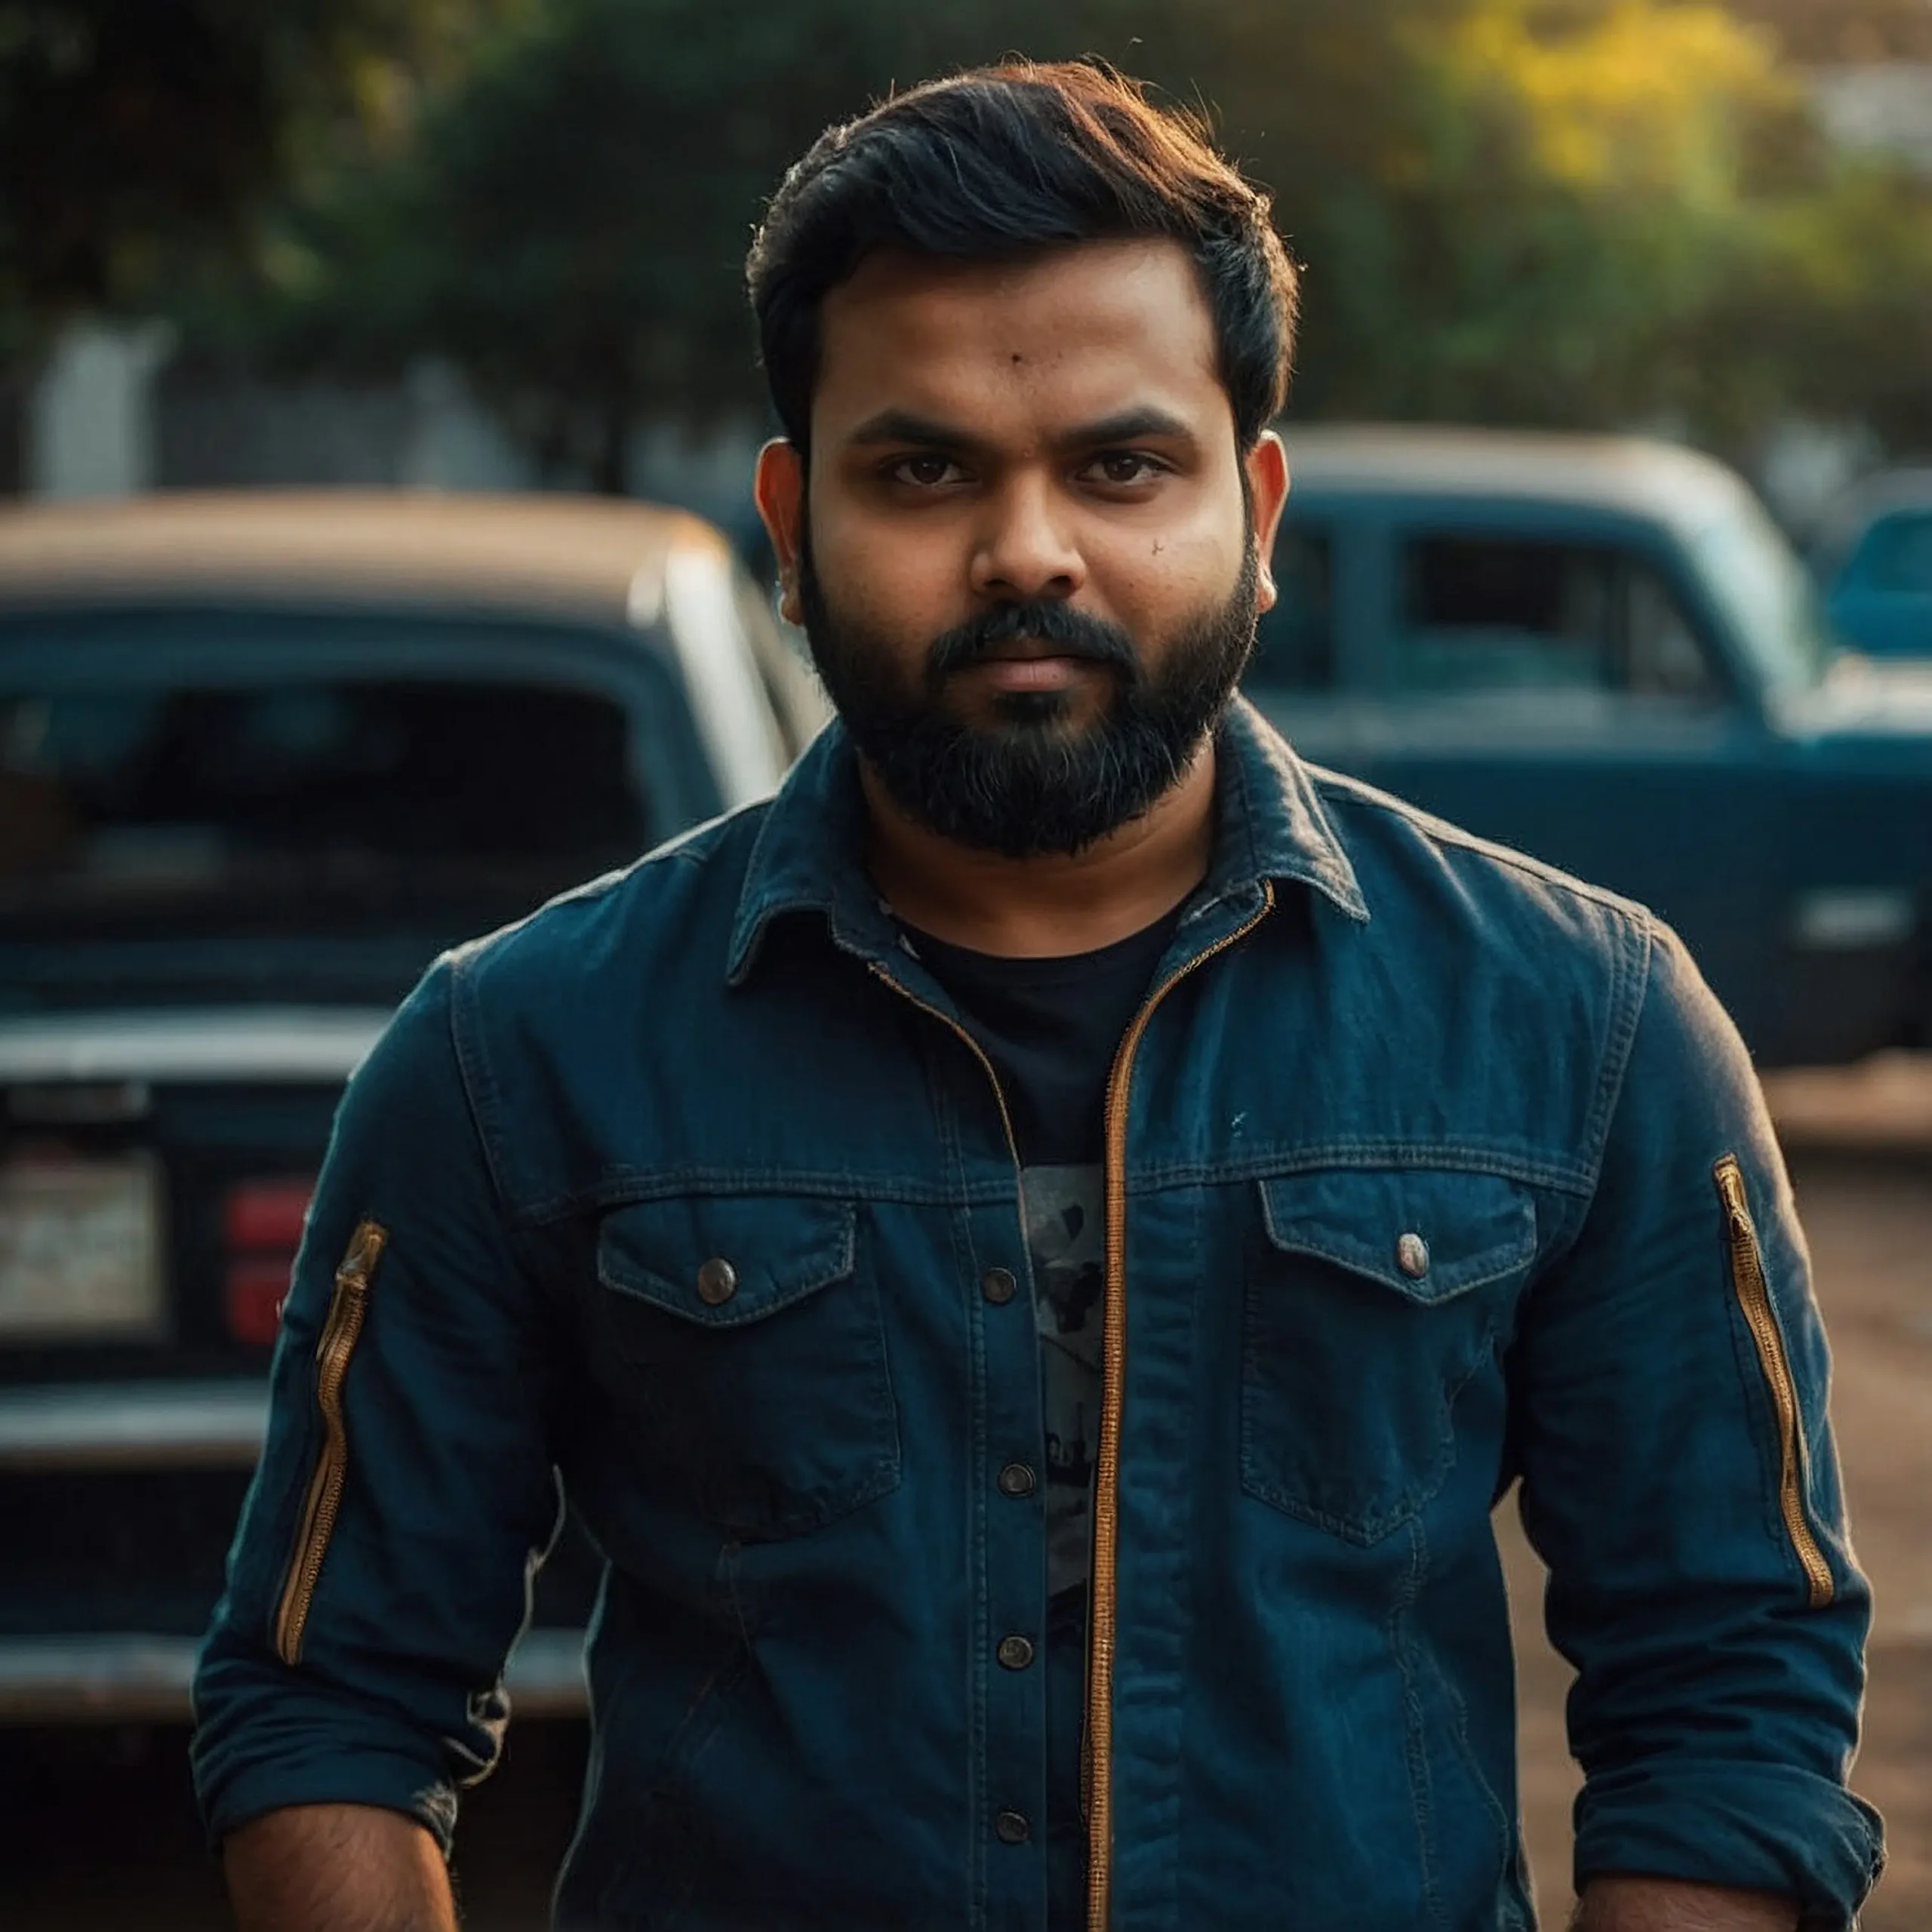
(808, 856)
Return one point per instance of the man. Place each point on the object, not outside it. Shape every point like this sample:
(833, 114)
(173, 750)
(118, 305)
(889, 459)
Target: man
(1035, 1253)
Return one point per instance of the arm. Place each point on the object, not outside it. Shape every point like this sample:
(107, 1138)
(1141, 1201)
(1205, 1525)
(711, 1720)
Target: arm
(379, 1574)
(1622, 1902)
(1680, 1480)
(337, 1868)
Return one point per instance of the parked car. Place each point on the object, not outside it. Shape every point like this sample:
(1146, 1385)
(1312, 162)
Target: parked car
(260, 759)
(1873, 555)
(1603, 652)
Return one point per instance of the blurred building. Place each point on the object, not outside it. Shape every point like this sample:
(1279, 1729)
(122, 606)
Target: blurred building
(1882, 107)
(115, 412)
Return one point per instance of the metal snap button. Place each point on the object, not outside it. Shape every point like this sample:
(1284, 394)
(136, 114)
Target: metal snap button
(717, 1282)
(997, 1285)
(1015, 1653)
(1412, 1255)
(1017, 1479)
(1011, 1828)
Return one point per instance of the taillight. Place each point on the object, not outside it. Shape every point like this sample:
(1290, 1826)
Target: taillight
(262, 1225)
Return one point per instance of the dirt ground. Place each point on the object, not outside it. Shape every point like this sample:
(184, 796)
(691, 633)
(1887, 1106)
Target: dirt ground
(97, 1832)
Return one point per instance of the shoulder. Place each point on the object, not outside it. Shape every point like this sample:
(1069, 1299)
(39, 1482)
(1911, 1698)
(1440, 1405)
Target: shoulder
(676, 903)
(1516, 962)
(1414, 866)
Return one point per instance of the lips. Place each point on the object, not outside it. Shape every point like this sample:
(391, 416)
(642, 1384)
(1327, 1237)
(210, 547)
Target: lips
(1027, 649)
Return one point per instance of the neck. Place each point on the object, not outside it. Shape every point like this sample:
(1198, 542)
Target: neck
(1054, 904)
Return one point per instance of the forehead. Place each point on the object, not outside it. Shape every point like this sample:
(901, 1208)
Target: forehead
(1068, 333)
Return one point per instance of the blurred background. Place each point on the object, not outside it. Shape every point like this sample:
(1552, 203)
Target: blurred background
(447, 246)
(498, 242)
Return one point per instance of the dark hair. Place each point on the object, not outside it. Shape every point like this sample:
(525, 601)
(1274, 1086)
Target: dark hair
(999, 161)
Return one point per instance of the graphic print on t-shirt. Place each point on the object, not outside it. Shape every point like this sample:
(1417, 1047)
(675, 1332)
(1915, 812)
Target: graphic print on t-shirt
(1066, 1235)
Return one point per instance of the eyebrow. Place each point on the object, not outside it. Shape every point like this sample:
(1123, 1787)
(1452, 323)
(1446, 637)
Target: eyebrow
(905, 427)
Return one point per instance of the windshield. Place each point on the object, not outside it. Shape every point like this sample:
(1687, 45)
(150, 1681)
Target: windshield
(337, 803)
(1767, 595)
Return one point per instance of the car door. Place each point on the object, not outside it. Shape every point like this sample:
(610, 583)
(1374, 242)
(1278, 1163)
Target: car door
(1562, 687)
(1311, 672)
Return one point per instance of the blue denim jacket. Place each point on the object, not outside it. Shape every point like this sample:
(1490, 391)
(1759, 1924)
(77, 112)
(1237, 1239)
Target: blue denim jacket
(1429, 1168)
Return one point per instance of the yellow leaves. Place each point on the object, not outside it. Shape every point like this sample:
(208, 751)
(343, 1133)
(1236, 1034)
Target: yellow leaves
(1641, 98)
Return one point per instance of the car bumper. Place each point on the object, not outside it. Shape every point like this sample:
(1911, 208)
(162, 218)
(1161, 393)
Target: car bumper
(133, 1425)
(100, 1442)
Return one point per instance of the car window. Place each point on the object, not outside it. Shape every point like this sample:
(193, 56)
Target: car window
(1294, 643)
(1486, 612)
(1662, 654)
(358, 792)
(1896, 555)
(1769, 597)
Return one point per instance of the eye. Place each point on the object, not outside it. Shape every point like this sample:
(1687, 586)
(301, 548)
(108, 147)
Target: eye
(1123, 468)
(925, 471)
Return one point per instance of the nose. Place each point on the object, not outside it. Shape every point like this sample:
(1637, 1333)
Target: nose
(1022, 549)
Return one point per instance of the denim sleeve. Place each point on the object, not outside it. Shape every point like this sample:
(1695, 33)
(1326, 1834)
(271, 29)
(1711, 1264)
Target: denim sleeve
(393, 1697)
(1701, 1579)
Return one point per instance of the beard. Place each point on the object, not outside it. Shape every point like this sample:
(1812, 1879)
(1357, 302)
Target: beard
(1032, 782)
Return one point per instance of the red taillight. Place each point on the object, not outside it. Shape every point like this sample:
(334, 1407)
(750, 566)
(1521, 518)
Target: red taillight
(255, 1292)
(262, 1221)
(267, 1214)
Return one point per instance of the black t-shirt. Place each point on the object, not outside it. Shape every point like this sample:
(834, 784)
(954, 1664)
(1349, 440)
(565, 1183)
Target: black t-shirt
(1051, 1028)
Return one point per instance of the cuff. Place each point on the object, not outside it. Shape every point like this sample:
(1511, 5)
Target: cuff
(1770, 1828)
(289, 1743)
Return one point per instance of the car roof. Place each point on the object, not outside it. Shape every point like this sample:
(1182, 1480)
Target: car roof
(601, 559)
(1637, 475)
(1881, 494)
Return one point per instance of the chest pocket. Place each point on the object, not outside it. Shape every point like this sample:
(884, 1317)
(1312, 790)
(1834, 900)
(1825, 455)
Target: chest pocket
(1373, 1296)
(750, 1332)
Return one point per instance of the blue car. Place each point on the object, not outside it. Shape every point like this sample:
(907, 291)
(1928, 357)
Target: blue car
(261, 759)
(1876, 561)
(1603, 652)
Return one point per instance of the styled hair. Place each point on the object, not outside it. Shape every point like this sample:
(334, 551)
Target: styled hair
(997, 163)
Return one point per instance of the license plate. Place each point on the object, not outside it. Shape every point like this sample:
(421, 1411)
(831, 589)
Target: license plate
(80, 1249)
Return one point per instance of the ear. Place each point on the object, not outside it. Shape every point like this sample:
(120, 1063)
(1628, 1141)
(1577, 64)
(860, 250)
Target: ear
(1267, 467)
(780, 489)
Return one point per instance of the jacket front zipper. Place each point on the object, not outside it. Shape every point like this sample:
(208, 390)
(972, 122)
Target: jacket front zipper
(1754, 1297)
(340, 1332)
(1096, 1754)
(1096, 1776)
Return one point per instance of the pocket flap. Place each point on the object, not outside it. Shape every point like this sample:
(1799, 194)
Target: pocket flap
(723, 1260)
(1427, 1233)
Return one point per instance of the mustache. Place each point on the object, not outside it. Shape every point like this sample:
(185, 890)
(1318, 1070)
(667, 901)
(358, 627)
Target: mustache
(1067, 633)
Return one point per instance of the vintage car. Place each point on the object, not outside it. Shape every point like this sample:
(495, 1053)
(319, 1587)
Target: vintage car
(1873, 557)
(260, 759)
(1603, 652)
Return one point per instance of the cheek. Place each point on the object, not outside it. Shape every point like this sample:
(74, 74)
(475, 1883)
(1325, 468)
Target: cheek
(898, 582)
(1156, 580)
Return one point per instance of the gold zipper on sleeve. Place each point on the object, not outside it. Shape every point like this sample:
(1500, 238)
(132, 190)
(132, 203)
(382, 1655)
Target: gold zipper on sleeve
(1096, 1758)
(1754, 1297)
(337, 1343)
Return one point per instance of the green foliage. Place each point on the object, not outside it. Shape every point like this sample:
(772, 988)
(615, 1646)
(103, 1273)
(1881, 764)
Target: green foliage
(570, 223)
(135, 133)
(1583, 212)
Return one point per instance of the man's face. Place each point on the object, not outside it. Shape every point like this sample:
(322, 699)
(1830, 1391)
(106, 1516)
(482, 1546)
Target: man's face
(1028, 552)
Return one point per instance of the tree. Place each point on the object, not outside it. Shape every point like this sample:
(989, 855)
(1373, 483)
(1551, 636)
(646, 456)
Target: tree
(138, 137)
(1538, 211)
(570, 224)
